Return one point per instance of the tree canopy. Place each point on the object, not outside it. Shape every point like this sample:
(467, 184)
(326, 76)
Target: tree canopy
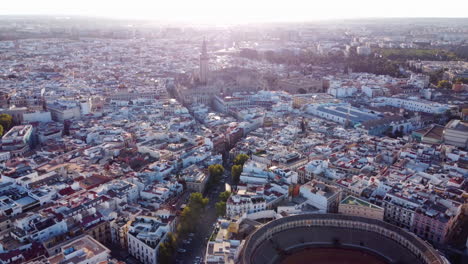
(167, 249)
(376, 65)
(197, 202)
(444, 84)
(436, 76)
(224, 196)
(236, 171)
(1, 130)
(221, 205)
(241, 159)
(220, 208)
(191, 213)
(418, 54)
(6, 121)
(216, 172)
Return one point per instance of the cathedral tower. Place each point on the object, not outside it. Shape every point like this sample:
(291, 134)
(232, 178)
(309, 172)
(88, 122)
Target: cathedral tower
(204, 64)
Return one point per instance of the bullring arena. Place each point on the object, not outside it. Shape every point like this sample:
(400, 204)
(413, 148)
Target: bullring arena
(333, 239)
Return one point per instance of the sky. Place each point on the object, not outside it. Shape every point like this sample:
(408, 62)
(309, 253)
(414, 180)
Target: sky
(238, 11)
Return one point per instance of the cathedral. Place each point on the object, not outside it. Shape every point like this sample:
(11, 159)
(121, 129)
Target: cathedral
(203, 86)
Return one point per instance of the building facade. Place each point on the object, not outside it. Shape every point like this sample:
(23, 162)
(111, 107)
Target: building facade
(358, 207)
(145, 234)
(238, 205)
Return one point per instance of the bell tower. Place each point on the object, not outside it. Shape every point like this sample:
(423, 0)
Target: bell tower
(204, 64)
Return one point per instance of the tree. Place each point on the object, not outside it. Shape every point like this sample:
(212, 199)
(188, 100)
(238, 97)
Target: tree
(389, 131)
(436, 76)
(216, 171)
(1, 130)
(241, 159)
(197, 203)
(220, 208)
(224, 196)
(302, 91)
(444, 84)
(167, 249)
(191, 213)
(186, 220)
(221, 205)
(164, 254)
(236, 171)
(6, 121)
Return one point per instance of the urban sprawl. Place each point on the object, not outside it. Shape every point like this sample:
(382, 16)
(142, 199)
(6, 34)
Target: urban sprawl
(172, 144)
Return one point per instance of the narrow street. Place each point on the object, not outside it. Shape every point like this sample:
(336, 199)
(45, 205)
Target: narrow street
(197, 246)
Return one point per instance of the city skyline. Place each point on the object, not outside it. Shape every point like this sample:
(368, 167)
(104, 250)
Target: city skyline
(243, 11)
(216, 132)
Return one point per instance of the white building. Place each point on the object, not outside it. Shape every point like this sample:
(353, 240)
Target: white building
(372, 91)
(121, 188)
(254, 172)
(37, 228)
(195, 179)
(145, 234)
(341, 113)
(17, 140)
(44, 194)
(456, 133)
(158, 192)
(38, 116)
(237, 205)
(227, 103)
(363, 50)
(4, 156)
(322, 196)
(358, 207)
(224, 249)
(83, 250)
(64, 110)
(413, 104)
(341, 91)
(399, 210)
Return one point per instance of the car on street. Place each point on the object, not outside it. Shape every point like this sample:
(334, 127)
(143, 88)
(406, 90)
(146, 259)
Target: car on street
(181, 250)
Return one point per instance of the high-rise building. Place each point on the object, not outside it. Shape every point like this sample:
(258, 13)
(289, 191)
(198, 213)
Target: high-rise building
(204, 64)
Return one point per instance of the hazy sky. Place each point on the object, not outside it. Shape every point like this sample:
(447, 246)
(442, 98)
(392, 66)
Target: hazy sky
(239, 11)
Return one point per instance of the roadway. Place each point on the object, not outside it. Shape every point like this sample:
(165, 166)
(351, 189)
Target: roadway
(197, 246)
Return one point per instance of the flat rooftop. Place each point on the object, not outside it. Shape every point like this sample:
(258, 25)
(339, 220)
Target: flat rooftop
(354, 114)
(458, 125)
(351, 200)
(17, 131)
(88, 247)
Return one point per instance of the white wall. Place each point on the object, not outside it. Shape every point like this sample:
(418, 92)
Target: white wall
(37, 117)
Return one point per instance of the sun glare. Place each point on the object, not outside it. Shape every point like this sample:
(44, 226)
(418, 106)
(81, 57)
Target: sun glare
(239, 11)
